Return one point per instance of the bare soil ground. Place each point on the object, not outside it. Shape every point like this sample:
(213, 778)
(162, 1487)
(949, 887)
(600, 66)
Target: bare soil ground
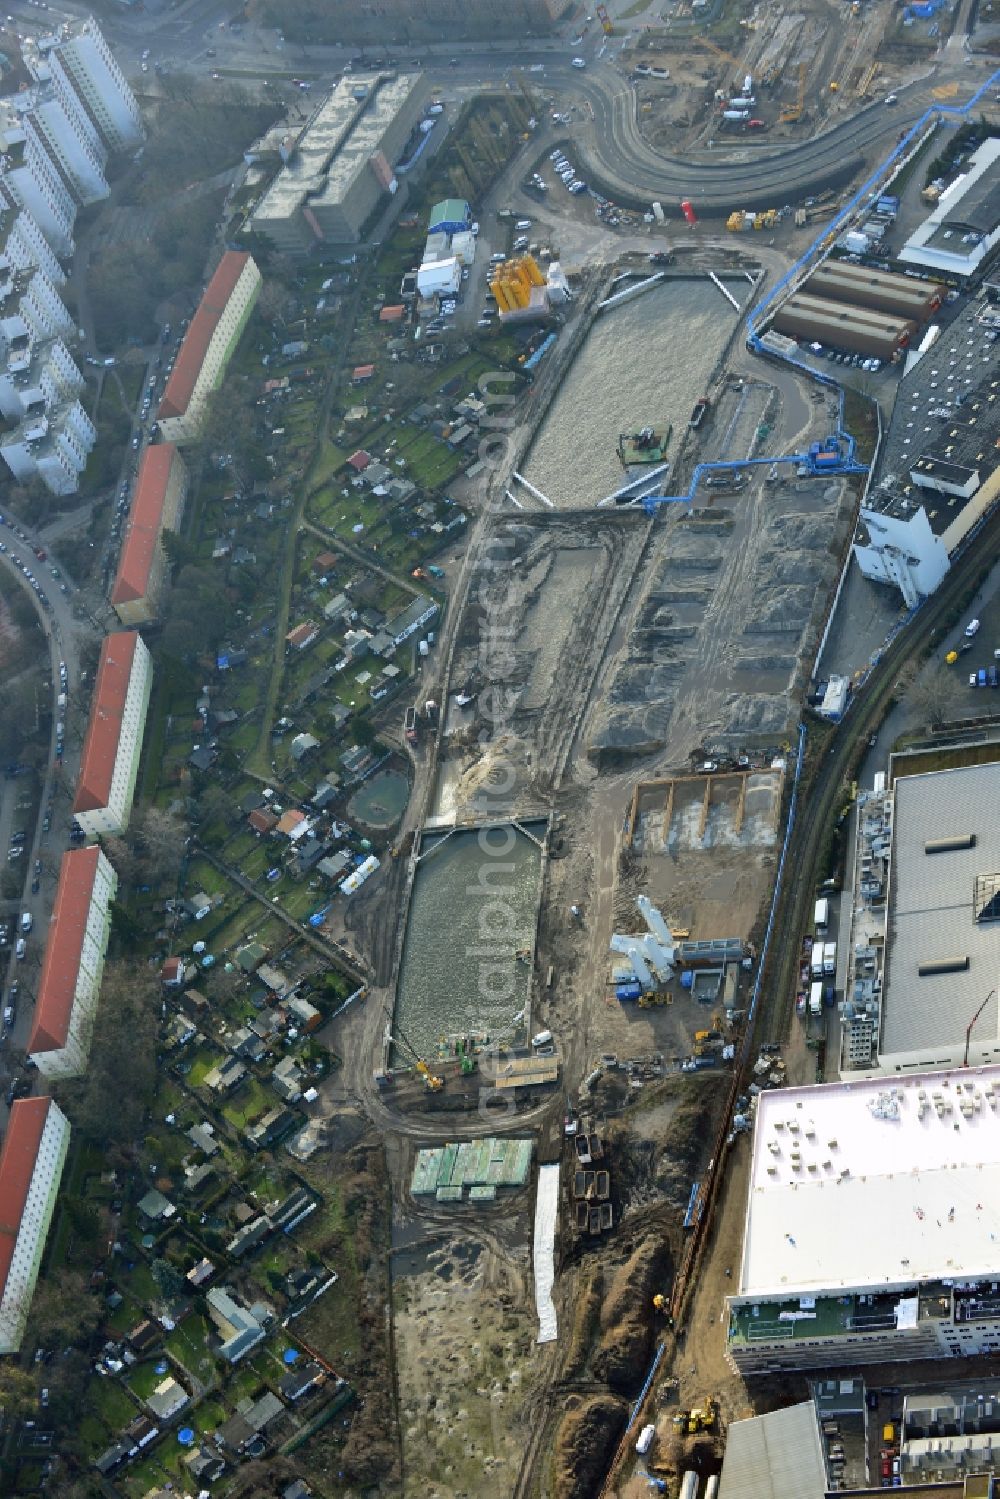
(814, 64)
(466, 1360)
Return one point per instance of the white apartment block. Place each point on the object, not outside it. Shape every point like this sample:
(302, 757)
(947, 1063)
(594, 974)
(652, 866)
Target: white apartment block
(52, 446)
(73, 145)
(35, 183)
(208, 346)
(52, 376)
(31, 296)
(23, 246)
(83, 67)
(70, 984)
(31, 1166)
(110, 760)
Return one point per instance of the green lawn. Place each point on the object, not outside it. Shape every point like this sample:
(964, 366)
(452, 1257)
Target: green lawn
(188, 1344)
(250, 1100)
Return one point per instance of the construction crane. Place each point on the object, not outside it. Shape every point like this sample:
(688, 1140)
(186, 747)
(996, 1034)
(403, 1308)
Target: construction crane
(432, 1081)
(968, 1033)
(794, 111)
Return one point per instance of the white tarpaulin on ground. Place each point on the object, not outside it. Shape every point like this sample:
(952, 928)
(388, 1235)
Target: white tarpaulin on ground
(546, 1207)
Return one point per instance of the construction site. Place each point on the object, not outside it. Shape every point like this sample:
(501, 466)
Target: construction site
(785, 76)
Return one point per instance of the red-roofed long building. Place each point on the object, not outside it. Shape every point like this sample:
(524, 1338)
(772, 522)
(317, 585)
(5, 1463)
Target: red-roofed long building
(110, 760)
(208, 346)
(157, 506)
(31, 1164)
(74, 963)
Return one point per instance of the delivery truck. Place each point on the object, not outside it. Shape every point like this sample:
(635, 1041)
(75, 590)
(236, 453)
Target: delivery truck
(816, 998)
(829, 958)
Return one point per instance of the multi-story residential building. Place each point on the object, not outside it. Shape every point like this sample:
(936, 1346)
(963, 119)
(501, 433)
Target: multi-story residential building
(74, 962)
(110, 761)
(74, 147)
(34, 181)
(872, 1220)
(31, 1164)
(23, 246)
(341, 165)
(31, 296)
(82, 67)
(157, 506)
(64, 138)
(208, 346)
(48, 377)
(52, 446)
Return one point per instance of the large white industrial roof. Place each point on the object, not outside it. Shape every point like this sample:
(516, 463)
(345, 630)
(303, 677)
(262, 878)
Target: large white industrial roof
(941, 911)
(896, 1181)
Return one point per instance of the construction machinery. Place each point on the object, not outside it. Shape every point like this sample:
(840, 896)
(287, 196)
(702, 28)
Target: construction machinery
(432, 1082)
(607, 25)
(793, 112)
(699, 1417)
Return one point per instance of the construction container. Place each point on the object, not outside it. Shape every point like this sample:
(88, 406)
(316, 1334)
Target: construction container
(689, 1485)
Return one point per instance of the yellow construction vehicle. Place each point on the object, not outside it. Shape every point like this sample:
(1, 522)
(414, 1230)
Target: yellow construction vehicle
(734, 223)
(794, 111)
(699, 1417)
(432, 1082)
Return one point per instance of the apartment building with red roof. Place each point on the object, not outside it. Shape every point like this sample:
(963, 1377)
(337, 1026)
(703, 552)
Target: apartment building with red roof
(208, 346)
(31, 1165)
(161, 488)
(110, 761)
(73, 965)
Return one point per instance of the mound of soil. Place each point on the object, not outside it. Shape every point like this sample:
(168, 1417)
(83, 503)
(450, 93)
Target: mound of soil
(585, 1444)
(626, 1345)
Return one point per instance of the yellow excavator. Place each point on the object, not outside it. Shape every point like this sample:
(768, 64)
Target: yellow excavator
(699, 1417)
(433, 1083)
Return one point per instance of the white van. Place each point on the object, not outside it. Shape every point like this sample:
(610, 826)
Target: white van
(645, 1441)
(821, 914)
(544, 1038)
(26, 921)
(21, 948)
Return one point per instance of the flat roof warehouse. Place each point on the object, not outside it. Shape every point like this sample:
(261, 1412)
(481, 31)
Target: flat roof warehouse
(943, 928)
(874, 1184)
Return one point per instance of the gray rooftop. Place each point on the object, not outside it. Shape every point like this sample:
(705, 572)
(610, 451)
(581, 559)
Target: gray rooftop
(947, 407)
(777, 1456)
(935, 898)
(335, 144)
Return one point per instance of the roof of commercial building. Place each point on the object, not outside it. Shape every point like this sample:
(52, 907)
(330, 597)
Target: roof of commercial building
(100, 748)
(971, 205)
(866, 319)
(865, 1184)
(67, 934)
(145, 523)
(17, 1165)
(839, 279)
(940, 912)
(366, 138)
(335, 143)
(947, 406)
(777, 1456)
(191, 355)
(319, 141)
